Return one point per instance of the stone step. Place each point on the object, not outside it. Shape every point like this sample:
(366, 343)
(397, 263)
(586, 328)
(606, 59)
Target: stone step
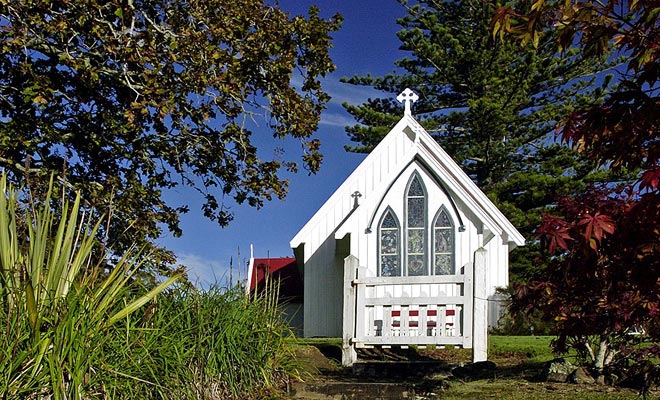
(399, 370)
(352, 390)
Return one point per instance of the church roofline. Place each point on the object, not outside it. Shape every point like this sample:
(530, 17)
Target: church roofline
(457, 182)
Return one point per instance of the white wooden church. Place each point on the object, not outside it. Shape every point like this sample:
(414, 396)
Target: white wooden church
(407, 251)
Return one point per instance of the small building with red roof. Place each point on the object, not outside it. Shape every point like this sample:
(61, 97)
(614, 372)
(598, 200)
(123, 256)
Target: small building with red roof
(283, 271)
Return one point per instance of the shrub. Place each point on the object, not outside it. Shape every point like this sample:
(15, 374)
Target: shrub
(70, 330)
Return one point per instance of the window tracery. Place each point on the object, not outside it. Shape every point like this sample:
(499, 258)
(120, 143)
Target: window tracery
(389, 259)
(418, 247)
(416, 228)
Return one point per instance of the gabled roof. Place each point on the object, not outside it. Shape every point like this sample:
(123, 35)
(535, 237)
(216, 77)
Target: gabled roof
(407, 142)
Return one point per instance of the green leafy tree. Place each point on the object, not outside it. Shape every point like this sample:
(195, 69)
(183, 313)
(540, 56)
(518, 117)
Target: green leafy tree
(492, 105)
(127, 99)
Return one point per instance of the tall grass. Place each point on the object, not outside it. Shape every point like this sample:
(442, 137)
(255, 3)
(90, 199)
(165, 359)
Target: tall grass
(69, 328)
(203, 345)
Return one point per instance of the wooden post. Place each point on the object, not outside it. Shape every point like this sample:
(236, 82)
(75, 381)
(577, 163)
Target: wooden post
(464, 324)
(348, 353)
(480, 314)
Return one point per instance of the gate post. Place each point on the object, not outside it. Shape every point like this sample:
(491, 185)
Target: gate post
(348, 353)
(480, 313)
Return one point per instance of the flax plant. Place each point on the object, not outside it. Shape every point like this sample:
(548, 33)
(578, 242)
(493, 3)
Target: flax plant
(58, 303)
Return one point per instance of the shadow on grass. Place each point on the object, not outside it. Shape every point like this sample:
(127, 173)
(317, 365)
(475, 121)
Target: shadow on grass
(529, 371)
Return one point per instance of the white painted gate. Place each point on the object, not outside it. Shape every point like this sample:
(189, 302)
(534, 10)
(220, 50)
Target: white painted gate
(419, 310)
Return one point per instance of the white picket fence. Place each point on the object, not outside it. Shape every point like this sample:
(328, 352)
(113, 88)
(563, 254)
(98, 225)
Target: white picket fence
(419, 310)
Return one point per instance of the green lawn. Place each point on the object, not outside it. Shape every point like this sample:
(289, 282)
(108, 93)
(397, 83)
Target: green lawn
(533, 348)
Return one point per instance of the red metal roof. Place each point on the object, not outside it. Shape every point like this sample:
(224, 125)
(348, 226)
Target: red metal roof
(283, 270)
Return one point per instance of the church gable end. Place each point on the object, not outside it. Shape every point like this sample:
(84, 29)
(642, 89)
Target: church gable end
(417, 234)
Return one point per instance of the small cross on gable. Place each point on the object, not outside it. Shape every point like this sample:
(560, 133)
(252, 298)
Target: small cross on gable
(356, 195)
(407, 97)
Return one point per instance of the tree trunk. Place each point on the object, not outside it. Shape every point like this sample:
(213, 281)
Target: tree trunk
(602, 356)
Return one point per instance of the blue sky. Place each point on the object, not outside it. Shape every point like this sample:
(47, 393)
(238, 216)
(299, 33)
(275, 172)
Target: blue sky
(367, 43)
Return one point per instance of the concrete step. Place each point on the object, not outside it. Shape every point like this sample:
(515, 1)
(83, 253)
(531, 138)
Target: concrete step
(375, 380)
(352, 390)
(402, 370)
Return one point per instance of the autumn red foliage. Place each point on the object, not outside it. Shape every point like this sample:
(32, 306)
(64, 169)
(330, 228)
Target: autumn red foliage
(603, 279)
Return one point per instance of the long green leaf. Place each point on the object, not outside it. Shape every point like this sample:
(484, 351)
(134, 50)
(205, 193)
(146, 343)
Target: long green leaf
(142, 300)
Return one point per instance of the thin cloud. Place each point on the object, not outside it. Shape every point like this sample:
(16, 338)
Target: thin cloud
(204, 272)
(336, 119)
(341, 93)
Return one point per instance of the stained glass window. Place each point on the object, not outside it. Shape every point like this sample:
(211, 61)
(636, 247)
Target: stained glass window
(389, 221)
(416, 189)
(443, 264)
(418, 245)
(416, 228)
(443, 244)
(389, 259)
(416, 212)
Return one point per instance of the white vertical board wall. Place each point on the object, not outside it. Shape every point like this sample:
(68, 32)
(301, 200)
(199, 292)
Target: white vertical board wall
(323, 292)
(498, 265)
(323, 269)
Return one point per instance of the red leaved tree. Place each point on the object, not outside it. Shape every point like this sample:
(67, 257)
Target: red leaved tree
(603, 279)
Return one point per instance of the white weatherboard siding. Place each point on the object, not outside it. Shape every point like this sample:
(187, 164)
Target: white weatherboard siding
(323, 291)
(343, 227)
(323, 269)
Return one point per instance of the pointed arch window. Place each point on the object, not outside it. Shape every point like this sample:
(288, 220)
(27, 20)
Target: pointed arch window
(389, 245)
(416, 228)
(423, 242)
(443, 243)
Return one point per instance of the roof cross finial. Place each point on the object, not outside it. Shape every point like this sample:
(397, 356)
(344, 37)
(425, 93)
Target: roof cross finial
(407, 97)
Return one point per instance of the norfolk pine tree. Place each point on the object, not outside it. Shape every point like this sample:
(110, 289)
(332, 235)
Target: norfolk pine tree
(127, 99)
(492, 105)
